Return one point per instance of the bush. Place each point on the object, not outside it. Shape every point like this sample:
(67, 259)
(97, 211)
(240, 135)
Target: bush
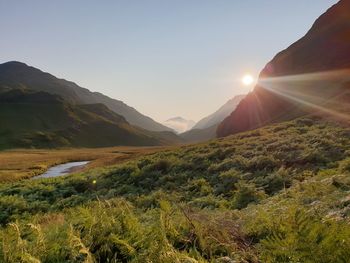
(345, 166)
(282, 179)
(227, 181)
(266, 163)
(245, 194)
(199, 187)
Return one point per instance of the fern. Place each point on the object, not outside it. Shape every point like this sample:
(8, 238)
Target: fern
(302, 238)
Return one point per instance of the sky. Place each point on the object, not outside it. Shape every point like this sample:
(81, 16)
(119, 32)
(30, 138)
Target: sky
(165, 58)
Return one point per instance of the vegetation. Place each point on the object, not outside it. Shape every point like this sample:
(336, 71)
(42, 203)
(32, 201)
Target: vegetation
(277, 194)
(56, 123)
(35, 162)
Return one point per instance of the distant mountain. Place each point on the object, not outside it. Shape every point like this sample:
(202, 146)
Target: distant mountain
(205, 129)
(41, 120)
(179, 124)
(199, 135)
(15, 75)
(311, 76)
(220, 114)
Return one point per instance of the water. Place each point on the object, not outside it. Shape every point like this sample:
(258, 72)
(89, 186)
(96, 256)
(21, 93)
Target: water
(61, 169)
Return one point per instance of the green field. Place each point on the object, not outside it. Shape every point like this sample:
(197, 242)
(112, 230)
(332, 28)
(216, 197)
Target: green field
(277, 194)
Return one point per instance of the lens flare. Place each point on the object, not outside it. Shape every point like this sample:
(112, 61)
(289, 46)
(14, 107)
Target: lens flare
(247, 80)
(305, 90)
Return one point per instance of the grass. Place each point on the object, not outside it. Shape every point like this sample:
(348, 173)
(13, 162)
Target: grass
(23, 164)
(277, 194)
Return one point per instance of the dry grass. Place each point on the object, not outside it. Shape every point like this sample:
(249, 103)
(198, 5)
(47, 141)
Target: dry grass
(21, 164)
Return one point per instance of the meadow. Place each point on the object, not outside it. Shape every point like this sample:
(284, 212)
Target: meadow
(23, 163)
(276, 194)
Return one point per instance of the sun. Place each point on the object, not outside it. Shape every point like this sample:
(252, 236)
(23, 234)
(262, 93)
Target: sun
(247, 80)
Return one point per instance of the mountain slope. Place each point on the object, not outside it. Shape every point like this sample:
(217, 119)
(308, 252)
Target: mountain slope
(312, 75)
(179, 124)
(19, 75)
(205, 129)
(199, 135)
(42, 120)
(220, 114)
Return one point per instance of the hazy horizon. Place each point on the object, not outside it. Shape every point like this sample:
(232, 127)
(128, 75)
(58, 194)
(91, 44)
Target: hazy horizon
(164, 59)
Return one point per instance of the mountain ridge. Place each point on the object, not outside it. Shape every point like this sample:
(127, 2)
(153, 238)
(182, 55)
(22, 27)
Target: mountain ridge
(307, 77)
(15, 74)
(41, 120)
(220, 114)
(205, 129)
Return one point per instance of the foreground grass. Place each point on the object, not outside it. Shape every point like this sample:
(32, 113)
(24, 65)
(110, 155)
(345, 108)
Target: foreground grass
(23, 164)
(277, 194)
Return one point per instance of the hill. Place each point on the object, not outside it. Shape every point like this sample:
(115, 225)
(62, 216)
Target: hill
(312, 75)
(179, 124)
(17, 75)
(42, 120)
(199, 135)
(277, 194)
(219, 115)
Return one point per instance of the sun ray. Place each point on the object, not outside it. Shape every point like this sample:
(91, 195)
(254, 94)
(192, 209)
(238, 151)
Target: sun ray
(342, 74)
(283, 86)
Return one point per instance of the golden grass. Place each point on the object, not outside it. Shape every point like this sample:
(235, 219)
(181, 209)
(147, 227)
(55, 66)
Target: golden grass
(22, 164)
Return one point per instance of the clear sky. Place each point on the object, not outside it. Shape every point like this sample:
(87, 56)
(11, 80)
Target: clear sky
(165, 58)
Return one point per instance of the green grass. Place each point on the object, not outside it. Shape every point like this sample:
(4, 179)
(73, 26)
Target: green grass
(277, 194)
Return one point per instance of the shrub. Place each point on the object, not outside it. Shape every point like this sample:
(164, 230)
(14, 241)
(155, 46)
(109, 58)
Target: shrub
(199, 187)
(277, 181)
(345, 166)
(266, 163)
(245, 194)
(227, 181)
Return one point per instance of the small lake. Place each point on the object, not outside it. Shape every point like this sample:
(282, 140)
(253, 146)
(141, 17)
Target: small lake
(62, 169)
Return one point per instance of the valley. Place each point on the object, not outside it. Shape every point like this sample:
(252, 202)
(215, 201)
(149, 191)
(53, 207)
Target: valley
(262, 176)
(247, 196)
(23, 163)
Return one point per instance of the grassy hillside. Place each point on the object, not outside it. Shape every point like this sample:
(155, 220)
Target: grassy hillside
(277, 194)
(41, 120)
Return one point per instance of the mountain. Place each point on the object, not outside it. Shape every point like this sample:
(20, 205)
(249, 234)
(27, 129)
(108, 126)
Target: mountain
(199, 135)
(310, 76)
(179, 124)
(220, 114)
(41, 120)
(19, 75)
(205, 129)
